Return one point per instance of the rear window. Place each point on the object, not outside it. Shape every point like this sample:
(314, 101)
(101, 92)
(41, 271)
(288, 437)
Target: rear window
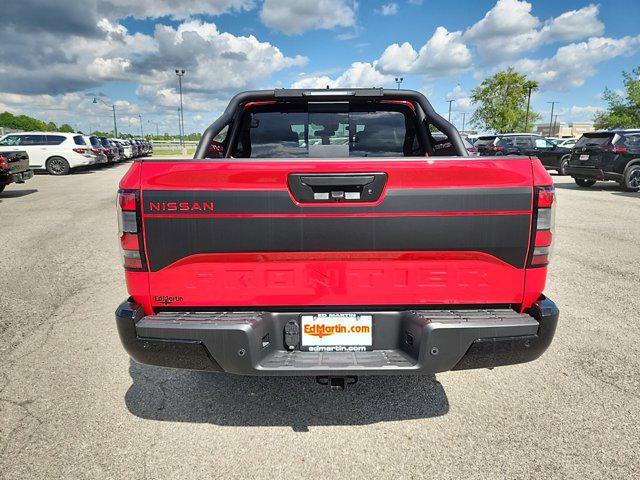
(79, 140)
(630, 140)
(105, 142)
(55, 139)
(484, 141)
(11, 140)
(594, 140)
(33, 140)
(506, 142)
(327, 130)
(95, 141)
(468, 145)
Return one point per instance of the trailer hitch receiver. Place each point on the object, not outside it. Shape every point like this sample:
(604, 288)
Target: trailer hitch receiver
(337, 383)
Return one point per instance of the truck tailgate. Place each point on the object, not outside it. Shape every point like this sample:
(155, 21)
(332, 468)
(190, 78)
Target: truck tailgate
(232, 233)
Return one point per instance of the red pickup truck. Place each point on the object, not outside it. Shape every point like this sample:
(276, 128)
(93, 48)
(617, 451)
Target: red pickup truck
(329, 233)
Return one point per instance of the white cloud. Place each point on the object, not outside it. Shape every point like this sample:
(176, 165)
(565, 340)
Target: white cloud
(581, 113)
(574, 63)
(214, 60)
(56, 65)
(178, 10)
(462, 101)
(114, 31)
(109, 68)
(573, 25)
(295, 17)
(43, 102)
(398, 58)
(507, 17)
(444, 54)
(388, 9)
(359, 74)
(509, 29)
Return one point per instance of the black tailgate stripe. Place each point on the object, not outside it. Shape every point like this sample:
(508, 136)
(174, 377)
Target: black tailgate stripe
(170, 239)
(395, 201)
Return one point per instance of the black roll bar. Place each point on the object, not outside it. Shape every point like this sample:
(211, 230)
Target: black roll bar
(342, 94)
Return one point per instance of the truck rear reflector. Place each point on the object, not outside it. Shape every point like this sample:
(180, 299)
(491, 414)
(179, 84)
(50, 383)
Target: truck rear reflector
(130, 231)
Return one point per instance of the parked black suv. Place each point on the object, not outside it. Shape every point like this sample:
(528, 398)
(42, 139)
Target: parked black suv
(552, 156)
(14, 167)
(607, 155)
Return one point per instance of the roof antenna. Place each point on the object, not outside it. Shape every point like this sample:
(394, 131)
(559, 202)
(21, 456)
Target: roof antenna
(327, 87)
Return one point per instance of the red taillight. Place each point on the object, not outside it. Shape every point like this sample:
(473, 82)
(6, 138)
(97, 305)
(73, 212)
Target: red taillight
(80, 150)
(543, 226)
(129, 230)
(613, 148)
(472, 149)
(127, 200)
(259, 103)
(96, 151)
(546, 197)
(494, 148)
(129, 241)
(544, 238)
(4, 163)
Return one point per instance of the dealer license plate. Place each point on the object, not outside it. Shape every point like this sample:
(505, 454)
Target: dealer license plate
(584, 157)
(336, 332)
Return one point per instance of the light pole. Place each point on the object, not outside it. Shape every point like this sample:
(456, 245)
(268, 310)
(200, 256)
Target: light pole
(553, 104)
(450, 102)
(180, 74)
(157, 127)
(464, 117)
(113, 106)
(526, 118)
(141, 134)
(555, 122)
(399, 80)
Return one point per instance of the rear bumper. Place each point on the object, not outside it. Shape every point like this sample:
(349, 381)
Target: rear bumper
(80, 160)
(17, 177)
(405, 342)
(592, 173)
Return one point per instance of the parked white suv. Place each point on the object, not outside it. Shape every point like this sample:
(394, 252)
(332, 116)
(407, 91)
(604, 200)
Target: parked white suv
(126, 144)
(96, 148)
(567, 142)
(55, 152)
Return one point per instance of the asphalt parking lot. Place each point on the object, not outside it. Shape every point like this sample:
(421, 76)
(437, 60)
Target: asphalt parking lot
(73, 405)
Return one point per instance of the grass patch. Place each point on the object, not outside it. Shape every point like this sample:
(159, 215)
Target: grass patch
(173, 153)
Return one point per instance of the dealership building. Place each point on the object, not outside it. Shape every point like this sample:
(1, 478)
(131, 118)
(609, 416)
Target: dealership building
(564, 130)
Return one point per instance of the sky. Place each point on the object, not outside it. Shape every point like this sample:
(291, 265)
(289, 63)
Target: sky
(55, 57)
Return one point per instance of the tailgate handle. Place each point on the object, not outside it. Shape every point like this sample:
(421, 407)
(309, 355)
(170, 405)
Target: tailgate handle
(339, 187)
(337, 180)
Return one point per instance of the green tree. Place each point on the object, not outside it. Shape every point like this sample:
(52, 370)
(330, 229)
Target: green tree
(21, 122)
(623, 111)
(65, 127)
(501, 101)
(98, 133)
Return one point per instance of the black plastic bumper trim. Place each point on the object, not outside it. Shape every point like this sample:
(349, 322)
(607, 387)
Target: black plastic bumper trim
(404, 341)
(500, 351)
(186, 354)
(592, 173)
